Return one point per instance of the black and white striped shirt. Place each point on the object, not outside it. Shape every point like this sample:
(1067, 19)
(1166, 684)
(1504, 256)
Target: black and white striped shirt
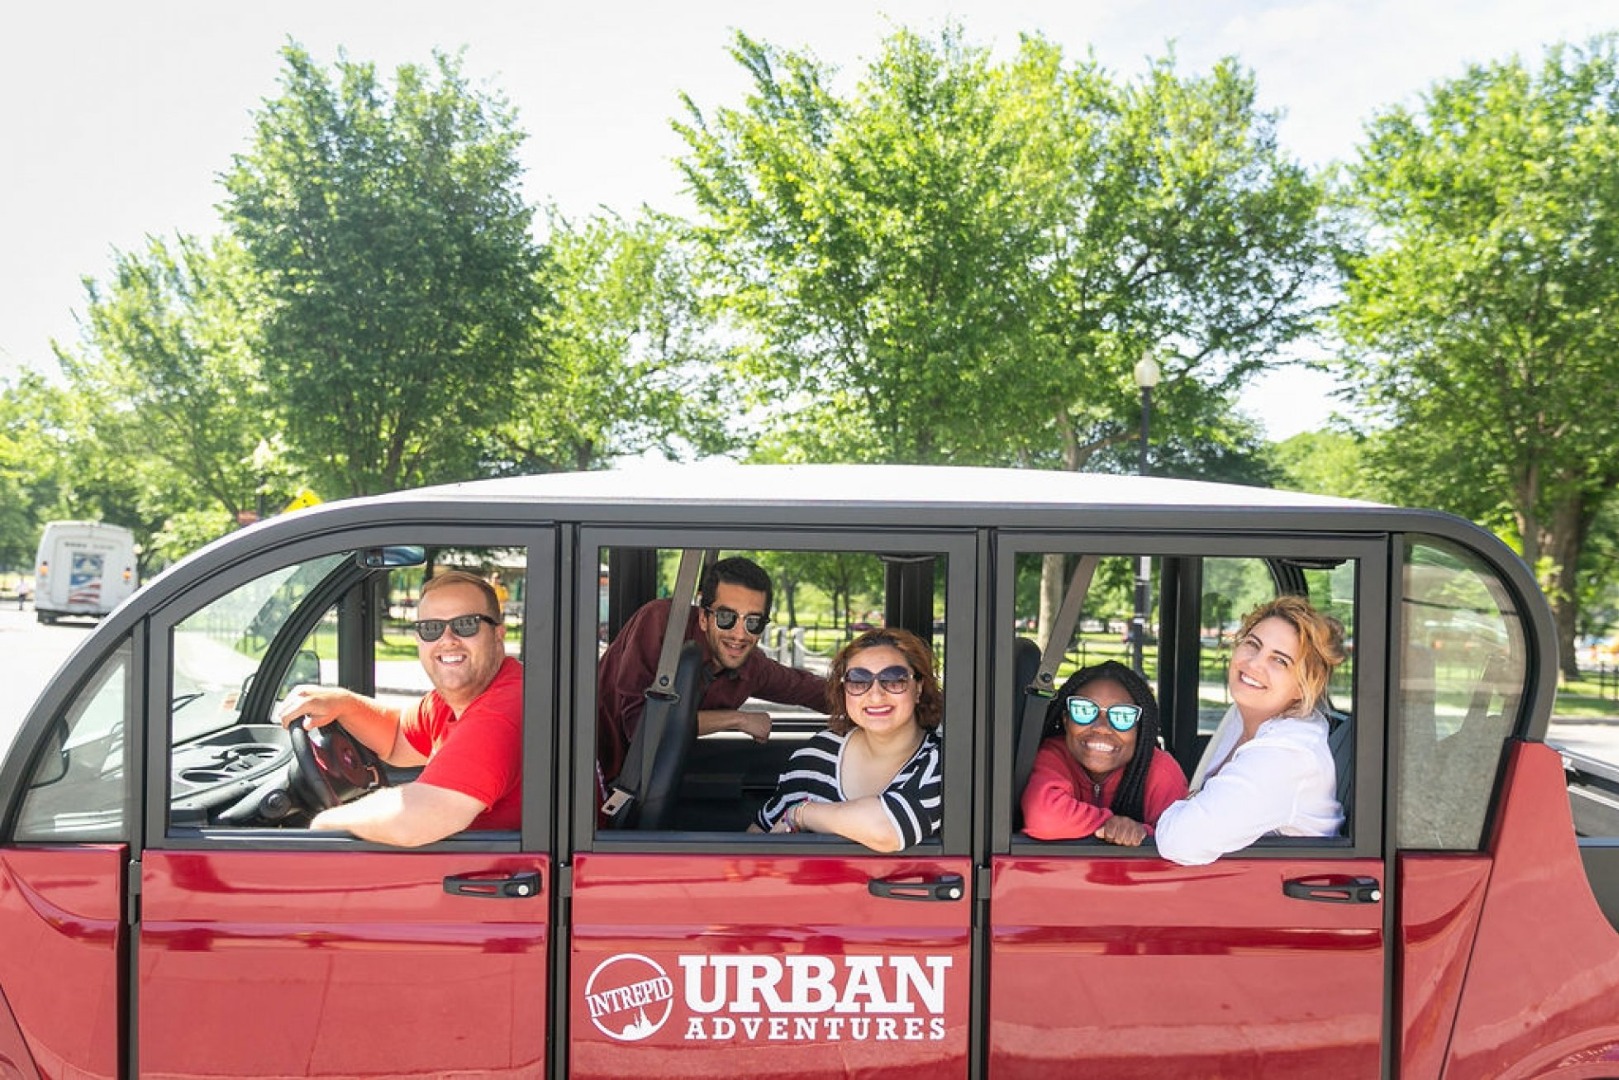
(912, 800)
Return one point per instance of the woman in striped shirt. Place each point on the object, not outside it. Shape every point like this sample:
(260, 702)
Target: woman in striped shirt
(875, 775)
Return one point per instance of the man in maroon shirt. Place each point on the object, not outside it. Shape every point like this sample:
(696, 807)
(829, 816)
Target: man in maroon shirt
(733, 607)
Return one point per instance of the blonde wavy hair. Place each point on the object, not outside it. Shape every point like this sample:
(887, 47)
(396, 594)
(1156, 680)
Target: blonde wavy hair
(1321, 644)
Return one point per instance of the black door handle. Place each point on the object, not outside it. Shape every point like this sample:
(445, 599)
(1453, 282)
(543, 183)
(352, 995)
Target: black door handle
(943, 887)
(516, 887)
(1332, 889)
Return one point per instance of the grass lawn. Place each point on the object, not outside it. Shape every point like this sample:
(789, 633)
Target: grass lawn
(1591, 696)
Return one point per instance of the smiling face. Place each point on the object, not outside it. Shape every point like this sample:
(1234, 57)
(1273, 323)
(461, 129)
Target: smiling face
(460, 668)
(730, 648)
(879, 710)
(1097, 747)
(1264, 678)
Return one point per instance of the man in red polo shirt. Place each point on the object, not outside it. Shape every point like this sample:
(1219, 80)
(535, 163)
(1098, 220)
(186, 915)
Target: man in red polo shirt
(467, 731)
(733, 601)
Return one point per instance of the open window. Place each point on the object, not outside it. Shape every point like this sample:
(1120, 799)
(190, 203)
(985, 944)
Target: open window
(338, 619)
(658, 764)
(1171, 616)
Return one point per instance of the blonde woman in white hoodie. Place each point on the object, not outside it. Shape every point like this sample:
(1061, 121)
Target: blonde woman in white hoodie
(1268, 768)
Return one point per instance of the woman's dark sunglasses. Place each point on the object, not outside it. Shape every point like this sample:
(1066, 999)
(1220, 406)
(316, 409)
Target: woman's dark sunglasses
(725, 618)
(895, 679)
(462, 626)
(1083, 711)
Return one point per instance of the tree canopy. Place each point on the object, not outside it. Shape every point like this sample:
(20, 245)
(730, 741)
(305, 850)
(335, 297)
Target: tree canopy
(962, 260)
(1482, 312)
(171, 371)
(398, 269)
(630, 363)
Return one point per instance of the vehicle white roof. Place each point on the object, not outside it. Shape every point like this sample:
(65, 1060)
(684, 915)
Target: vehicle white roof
(886, 485)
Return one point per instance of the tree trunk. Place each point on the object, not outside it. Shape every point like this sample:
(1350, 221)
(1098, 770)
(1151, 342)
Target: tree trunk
(1052, 584)
(1564, 543)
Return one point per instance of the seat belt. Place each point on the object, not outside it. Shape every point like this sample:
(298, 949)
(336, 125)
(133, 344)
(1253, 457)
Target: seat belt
(1044, 684)
(626, 787)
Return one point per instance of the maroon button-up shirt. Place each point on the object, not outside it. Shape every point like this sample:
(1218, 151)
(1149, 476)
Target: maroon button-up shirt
(630, 663)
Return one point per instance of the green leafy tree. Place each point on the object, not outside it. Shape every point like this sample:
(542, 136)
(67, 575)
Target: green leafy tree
(401, 280)
(1481, 312)
(1599, 575)
(962, 261)
(31, 455)
(62, 470)
(631, 365)
(1182, 230)
(1326, 463)
(789, 571)
(169, 373)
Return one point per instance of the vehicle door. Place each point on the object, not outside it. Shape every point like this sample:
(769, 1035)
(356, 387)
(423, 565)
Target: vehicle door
(65, 820)
(1269, 961)
(789, 955)
(263, 947)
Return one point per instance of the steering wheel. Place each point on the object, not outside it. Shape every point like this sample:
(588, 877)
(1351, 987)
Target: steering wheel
(330, 767)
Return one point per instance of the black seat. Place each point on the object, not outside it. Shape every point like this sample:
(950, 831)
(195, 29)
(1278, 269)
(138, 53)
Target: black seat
(1028, 719)
(1341, 741)
(656, 760)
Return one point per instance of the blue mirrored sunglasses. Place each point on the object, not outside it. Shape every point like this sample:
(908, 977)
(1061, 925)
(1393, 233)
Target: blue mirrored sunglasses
(1083, 712)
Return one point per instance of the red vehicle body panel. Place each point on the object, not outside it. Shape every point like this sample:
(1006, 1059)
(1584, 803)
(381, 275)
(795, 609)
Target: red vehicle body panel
(791, 967)
(1140, 968)
(1541, 996)
(61, 919)
(1439, 900)
(16, 1062)
(338, 963)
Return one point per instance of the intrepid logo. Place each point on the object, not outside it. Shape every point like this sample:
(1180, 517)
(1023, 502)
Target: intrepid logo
(629, 997)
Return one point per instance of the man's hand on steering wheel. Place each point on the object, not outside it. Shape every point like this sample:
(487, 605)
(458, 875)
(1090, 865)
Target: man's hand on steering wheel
(330, 767)
(314, 706)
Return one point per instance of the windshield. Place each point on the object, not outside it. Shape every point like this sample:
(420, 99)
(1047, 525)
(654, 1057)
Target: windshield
(217, 650)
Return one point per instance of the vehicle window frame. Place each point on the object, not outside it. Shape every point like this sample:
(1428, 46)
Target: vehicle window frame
(540, 541)
(124, 653)
(1370, 554)
(1453, 834)
(960, 689)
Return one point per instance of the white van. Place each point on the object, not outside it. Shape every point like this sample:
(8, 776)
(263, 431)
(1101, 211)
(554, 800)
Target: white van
(83, 568)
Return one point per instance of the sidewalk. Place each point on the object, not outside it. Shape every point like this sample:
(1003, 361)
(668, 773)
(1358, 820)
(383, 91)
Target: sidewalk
(398, 678)
(1596, 737)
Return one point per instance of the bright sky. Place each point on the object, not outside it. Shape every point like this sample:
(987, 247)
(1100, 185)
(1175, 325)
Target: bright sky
(123, 113)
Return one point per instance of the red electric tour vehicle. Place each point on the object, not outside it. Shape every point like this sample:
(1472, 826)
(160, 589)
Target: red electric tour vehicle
(166, 912)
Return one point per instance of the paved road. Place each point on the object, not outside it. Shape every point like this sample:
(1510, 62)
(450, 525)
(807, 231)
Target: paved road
(30, 654)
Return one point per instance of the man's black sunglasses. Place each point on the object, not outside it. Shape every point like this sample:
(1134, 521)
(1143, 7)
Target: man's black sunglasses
(725, 618)
(462, 626)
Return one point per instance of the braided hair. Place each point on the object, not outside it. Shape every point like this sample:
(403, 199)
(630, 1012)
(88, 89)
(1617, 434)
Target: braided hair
(1129, 799)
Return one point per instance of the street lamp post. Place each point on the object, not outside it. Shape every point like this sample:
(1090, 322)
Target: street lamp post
(1147, 374)
(263, 457)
